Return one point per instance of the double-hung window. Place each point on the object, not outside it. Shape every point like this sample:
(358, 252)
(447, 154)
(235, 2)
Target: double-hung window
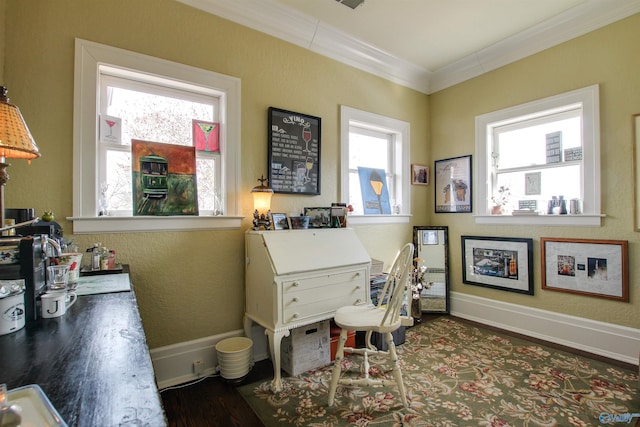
(156, 110)
(378, 145)
(539, 162)
(149, 99)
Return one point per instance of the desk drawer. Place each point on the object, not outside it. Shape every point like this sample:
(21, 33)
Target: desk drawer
(356, 277)
(324, 294)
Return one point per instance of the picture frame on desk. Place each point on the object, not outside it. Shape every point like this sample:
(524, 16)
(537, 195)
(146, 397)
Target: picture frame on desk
(319, 217)
(339, 215)
(279, 221)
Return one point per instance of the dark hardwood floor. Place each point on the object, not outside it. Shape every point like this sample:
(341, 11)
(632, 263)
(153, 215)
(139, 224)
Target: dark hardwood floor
(214, 401)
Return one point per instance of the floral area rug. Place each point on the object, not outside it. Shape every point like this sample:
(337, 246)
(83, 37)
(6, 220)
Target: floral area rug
(457, 374)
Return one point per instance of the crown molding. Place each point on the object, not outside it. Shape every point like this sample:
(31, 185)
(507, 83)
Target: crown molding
(285, 23)
(271, 17)
(589, 16)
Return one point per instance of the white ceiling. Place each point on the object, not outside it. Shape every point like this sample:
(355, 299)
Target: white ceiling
(427, 45)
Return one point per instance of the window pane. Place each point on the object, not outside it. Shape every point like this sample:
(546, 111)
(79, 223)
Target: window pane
(208, 195)
(366, 149)
(155, 118)
(156, 113)
(527, 146)
(116, 193)
(355, 194)
(561, 181)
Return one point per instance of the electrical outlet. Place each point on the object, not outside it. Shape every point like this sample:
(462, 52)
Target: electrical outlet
(198, 367)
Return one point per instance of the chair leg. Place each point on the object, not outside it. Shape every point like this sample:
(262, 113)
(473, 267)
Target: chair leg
(397, 374)
(337, 366)
(367, 341)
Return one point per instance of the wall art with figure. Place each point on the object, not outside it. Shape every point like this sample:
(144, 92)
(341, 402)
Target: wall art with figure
(453, 185)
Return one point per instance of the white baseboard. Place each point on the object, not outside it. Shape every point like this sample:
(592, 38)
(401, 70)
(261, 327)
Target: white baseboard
(173, 364)
(604, 339)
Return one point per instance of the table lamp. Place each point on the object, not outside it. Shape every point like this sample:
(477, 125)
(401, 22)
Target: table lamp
(16, 142)
(262, 205)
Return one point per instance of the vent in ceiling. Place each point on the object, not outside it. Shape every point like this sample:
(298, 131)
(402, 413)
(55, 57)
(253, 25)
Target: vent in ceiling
(351, 3)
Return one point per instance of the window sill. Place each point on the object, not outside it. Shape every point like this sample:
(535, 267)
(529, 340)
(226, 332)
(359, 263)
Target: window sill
(582, 220)
(377, 219)
(128, 224)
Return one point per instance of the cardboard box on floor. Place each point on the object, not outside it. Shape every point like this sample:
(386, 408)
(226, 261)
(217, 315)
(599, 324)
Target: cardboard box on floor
(306, 348)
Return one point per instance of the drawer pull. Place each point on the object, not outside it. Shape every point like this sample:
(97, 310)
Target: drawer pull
(358, 301)
(357, 287)
(294, 316)
(294, 300)
(295, 284)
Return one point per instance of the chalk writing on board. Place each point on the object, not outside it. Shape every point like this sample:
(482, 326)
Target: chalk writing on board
(294, 152)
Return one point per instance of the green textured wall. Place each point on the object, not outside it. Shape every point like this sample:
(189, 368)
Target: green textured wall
(606, 57)
(190, 284)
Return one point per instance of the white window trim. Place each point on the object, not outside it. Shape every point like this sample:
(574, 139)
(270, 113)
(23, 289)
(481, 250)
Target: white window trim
(591, 216)
(88, 55)
(349, 116)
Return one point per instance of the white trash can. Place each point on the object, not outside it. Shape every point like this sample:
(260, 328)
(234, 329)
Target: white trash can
(235, 357)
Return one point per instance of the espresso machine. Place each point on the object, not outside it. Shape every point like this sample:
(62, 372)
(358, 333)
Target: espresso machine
(31, 267)
(32, 241)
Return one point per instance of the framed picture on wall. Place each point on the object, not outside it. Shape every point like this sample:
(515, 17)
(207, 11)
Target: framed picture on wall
(498, 262)
(294, 152)
(453, 185)
(598, 268)
(419, 174)
(636, 170)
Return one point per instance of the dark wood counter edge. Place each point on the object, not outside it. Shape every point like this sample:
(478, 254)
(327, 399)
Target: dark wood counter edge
(93, 363)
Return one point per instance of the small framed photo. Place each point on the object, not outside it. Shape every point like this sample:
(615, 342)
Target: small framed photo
(598, 268)
(279, 221)
(533, 183)
(498, 262)
(299, 222)
(419, 174)
(318, 217)
(339, 215)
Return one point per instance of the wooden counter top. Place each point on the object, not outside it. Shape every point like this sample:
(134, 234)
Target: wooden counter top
(93, 363)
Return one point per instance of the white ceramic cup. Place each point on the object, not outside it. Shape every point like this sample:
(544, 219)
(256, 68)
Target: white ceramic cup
(12, 314)
(55, 304)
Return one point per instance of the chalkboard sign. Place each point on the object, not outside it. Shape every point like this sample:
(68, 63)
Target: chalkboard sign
(294, 152)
